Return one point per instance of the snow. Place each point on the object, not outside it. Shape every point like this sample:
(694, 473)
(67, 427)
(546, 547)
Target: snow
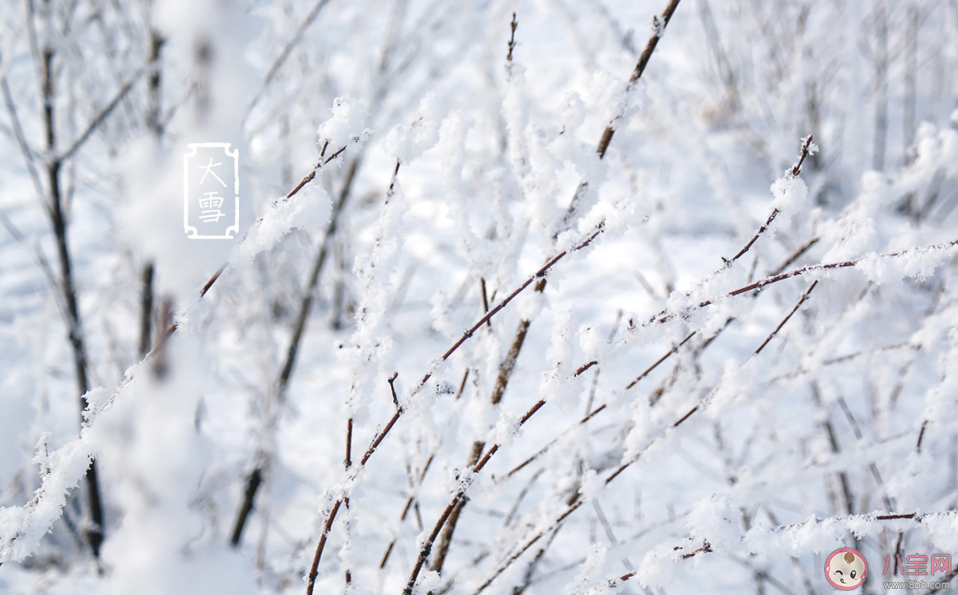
(346, 128)
(722, 470)
(307, 209)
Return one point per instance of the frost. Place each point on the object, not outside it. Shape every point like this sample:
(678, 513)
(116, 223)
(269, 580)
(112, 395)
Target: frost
(554, 388)
(715, 520)
(788, 194)
(308, 209)
(657, 569)
(658, 431)
(22, 528)
(943, 531)
(589, 571)
(344, 130)
(407, 143)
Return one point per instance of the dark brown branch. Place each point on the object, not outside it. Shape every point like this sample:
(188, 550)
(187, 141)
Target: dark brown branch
(252, 485)
(347, 463)
(512, 37)
(581, 370)
(508, 365)
(538, 275)
(392, 388)
(459, 497)
(785, 320)
(793, 172)
(381, 435)
(313, 569)
(405, 510)
(462, 385)
(485, 298)
(665, 316)
(806, 151)
(209, 283)
(299, 328)
(660, 23)
(921, 434)
(445, 538)
(648, 370)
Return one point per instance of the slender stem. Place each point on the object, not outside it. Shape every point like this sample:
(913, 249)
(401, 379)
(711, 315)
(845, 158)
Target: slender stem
(299, 329)
(381, 435)
(457, 499)
(660, 24)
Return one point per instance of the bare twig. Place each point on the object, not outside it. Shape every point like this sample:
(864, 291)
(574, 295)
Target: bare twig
(784, 320)
(535, 277)
(405, 511)
(100, 118)
(921, 435)
(347, 463)
(665, 316)
(299, 328)
(381, 435)
(659, 23)
(485, 298)
(794, 172)
(648, 370)
(459, 497)
(288, 49)
(512, 37)
(392, 388)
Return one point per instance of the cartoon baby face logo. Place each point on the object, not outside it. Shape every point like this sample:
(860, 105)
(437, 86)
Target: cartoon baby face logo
(846, 569)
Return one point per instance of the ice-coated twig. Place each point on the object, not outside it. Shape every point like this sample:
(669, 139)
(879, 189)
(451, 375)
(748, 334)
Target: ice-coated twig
(381, 434)
(459, 496)
(667, 315)
(662, 22)
(287, 50)
(299, 328)
(808, 148)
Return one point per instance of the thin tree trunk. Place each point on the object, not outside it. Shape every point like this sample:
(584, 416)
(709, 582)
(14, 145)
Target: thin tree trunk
(68, 289)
